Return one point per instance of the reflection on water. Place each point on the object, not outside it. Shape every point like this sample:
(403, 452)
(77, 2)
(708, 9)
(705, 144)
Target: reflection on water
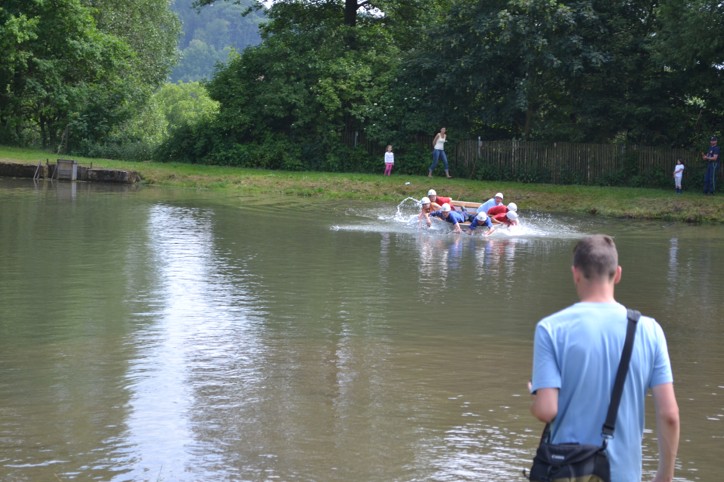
(165, 335)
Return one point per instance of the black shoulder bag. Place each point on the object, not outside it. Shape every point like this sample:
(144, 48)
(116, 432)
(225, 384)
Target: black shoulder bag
(585, 463)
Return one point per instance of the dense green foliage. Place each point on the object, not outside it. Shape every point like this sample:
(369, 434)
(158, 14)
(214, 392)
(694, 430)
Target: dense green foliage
(71, 71)
(315, 81)
(320, 85)
(334, 81)
(169, 111)
(210, 35)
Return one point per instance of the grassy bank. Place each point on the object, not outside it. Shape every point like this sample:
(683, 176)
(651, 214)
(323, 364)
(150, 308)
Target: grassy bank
(630, 203)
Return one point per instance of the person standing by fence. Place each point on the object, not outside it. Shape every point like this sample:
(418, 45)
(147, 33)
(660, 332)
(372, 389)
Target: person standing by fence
(438, 151)
(678, 174)
(389, 160)
(712, 162)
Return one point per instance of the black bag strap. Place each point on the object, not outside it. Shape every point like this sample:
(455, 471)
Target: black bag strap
(610, 423)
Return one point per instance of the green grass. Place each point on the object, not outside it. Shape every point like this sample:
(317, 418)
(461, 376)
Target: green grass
(632, 203)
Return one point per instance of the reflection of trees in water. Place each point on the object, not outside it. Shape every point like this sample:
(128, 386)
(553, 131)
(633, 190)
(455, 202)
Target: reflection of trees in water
(490, 263)
(488, 256)
(673, 267)
(438, 255)
(495, 264)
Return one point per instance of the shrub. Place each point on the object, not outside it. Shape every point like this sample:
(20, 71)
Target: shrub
(129, 151)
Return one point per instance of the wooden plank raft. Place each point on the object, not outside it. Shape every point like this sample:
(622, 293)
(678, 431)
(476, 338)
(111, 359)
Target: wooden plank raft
(466, 204)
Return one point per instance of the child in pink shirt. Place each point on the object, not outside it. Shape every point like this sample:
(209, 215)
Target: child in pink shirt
(389, 160)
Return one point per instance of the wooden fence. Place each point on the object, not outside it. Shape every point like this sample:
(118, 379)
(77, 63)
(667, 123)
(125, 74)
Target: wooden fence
(562, 162)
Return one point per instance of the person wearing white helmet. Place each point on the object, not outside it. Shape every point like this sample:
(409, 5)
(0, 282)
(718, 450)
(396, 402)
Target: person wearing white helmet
(492, 202)
(502, 209)
(509, 219)
(446, 213)
(438, 201)
(480, 219)
(425, 210)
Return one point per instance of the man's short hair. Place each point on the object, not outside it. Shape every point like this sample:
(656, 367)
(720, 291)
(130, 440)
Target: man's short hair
(596, 257)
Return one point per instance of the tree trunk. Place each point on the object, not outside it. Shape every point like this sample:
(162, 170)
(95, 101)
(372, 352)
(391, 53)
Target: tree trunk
(529, 113)
(350, 13)
(43, 131)
(63, 144)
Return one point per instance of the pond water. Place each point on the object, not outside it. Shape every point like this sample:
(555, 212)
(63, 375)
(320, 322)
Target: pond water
(161, 335)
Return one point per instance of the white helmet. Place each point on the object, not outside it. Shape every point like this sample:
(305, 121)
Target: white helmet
(446, 208)
(512, 215)
(500, 195)
(431, 192)
(425, 200)
(512, 207)
(482, 217)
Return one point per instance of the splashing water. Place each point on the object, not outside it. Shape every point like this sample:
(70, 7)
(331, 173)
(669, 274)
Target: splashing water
(407, 210)
(405, 218)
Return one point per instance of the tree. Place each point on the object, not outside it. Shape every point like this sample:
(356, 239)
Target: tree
(198, 62)
(349, 8)
(172, 106)
(17, 31)
(689, 45)
(553, 70)
(57, 59)
(210, 34)
(151, 30)
(302, 84)
(315, 80)
(75, 69)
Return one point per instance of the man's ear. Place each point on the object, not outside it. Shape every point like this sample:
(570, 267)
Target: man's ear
(617, 276)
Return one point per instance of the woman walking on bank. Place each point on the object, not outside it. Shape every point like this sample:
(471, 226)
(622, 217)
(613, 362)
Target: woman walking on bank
(438, 151)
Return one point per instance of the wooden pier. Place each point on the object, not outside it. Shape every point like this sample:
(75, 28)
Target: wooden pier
(68, 170)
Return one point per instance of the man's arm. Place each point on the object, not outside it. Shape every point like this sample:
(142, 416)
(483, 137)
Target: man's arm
(667, 426)
(712, 155)
(544, 406)
(473, 225)
(424, 216)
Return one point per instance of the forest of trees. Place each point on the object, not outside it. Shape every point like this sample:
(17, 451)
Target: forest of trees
(88, 76)
(210, 35)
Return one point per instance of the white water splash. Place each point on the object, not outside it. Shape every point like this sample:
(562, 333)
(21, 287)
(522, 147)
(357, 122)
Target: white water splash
(404, 218)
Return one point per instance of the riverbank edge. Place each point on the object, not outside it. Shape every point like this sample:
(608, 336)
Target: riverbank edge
(613, 202)
(67, 171)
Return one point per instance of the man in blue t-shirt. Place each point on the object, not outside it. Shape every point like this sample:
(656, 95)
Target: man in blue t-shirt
(712, 162)
(480, 219)
(453, 217)
(576, 353)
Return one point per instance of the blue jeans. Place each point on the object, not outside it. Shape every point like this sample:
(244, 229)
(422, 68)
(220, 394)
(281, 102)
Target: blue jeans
(436, 155)
(710, 177)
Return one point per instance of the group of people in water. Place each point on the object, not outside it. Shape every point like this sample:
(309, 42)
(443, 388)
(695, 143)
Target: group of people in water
(491, 214)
